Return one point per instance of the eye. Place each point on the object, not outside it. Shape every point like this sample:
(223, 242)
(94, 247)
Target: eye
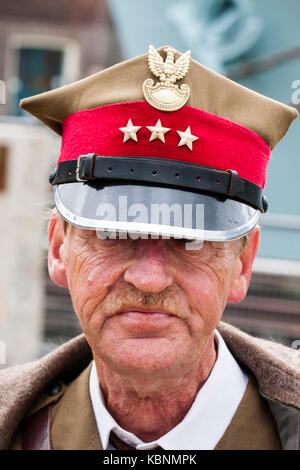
(181, 243)
(109, 235)
(189, 244)
(184, 240)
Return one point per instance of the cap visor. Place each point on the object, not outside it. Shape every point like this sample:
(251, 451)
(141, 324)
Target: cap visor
(150, 210)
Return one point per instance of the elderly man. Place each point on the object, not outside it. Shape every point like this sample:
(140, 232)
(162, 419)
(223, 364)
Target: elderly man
(158, 191)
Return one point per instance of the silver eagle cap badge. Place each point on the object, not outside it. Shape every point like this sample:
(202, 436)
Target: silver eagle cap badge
(165, 95)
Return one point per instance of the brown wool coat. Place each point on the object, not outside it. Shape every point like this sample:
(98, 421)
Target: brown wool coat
(276, 369)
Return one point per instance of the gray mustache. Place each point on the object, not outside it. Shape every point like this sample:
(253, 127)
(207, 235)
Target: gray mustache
(134, 298)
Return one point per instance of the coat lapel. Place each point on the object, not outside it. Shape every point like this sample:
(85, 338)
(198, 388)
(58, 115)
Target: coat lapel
(252, 426)
(73, 426)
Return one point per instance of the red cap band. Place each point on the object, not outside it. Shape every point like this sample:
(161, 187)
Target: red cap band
(220, 143)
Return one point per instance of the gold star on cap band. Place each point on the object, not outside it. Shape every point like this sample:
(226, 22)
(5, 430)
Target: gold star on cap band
(130, 131)
(158, 132)
(186, 138)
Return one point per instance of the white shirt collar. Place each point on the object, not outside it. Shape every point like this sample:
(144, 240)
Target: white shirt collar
(207, 419)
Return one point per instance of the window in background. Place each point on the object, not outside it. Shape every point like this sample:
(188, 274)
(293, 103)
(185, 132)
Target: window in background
(38, 63)
(39, 70)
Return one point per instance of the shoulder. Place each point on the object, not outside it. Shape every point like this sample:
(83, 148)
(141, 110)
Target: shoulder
(22, 386)
(275, 367)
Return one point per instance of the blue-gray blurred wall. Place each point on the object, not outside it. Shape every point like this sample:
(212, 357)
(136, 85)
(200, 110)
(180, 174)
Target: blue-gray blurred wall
(259, 29)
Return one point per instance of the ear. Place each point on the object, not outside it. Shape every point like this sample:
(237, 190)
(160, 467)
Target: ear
(243, 269)
(56, 237)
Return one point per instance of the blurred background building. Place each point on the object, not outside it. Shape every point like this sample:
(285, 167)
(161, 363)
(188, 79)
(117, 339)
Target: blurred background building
(49, 44)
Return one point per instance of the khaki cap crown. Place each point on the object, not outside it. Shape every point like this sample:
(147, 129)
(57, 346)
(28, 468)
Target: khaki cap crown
(123, 82)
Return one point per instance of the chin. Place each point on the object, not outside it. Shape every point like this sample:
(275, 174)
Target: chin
(141, 355)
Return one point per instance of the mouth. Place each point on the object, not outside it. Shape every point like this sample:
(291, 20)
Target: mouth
(144, 313)
(144, 317)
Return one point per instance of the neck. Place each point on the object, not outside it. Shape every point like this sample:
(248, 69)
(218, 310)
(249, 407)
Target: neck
(148, 406)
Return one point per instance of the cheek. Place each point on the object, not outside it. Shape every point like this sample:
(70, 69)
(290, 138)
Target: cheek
(206, 288)
(90, 277)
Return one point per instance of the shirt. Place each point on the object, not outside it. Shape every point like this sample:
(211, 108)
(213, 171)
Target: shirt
(207, 419)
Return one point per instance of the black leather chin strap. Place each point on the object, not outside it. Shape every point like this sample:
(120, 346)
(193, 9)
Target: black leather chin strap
(159, 172)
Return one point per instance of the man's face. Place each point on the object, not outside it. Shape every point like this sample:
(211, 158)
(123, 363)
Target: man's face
(147, 305)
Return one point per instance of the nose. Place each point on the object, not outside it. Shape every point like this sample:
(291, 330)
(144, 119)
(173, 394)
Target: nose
(148, 270)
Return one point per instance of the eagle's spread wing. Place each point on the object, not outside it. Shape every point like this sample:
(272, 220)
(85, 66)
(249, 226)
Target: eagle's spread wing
(182, 65)
(155, 61)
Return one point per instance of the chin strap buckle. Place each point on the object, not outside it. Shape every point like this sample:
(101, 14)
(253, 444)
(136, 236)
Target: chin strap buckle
(235, 185)
(85, 167)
